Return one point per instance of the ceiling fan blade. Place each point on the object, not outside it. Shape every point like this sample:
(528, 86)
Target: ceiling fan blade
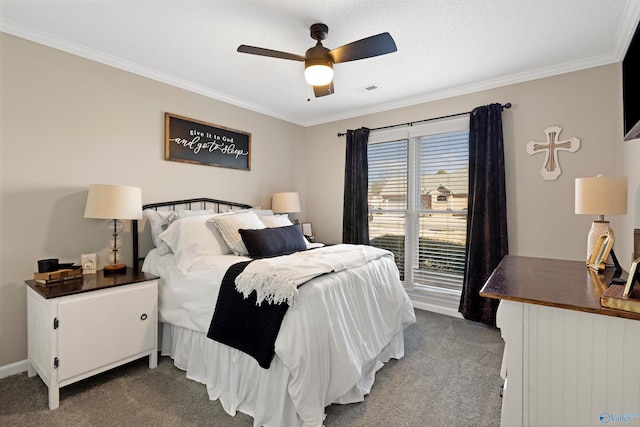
(269, 52)
(325, 90)
(380, 44)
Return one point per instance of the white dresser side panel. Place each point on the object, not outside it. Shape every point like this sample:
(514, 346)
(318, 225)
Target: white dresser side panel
(90, 324)
(509, 319)
(40, 315)
(581, 366)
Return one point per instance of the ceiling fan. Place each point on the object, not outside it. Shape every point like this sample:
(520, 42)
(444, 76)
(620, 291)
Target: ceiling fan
(318, 61)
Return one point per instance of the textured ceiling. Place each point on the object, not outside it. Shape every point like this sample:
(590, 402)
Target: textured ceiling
(445, 47)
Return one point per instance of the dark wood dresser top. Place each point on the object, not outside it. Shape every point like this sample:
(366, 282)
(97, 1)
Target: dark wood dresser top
(89, 282)
(556, 283)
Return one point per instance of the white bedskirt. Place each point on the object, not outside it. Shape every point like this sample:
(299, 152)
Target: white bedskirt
(240, 384)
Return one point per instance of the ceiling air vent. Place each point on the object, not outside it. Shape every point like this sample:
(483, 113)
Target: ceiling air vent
(367, 88)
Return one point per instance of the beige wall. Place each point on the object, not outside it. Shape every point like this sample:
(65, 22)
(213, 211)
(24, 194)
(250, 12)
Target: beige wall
(542, 223)
(67, 122)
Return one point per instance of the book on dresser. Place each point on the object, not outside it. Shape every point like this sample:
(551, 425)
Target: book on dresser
(614, 298)
(58, 276)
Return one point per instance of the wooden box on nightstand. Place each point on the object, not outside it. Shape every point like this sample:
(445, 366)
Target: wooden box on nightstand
(82, 327)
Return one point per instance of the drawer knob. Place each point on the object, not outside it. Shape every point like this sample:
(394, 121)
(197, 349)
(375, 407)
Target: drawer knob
(143, 317)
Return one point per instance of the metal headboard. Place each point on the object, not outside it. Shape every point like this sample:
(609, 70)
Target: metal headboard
(188, 204)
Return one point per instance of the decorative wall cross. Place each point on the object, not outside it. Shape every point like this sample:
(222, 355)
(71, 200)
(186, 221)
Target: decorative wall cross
(551, 167)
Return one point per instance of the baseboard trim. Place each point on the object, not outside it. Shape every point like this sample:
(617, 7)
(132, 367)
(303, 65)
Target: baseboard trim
(421, 305)
(13, 368)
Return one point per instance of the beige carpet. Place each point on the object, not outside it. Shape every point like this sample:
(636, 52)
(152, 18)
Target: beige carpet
(448, 377)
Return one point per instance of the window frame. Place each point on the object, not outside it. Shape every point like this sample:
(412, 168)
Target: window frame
(441, 297)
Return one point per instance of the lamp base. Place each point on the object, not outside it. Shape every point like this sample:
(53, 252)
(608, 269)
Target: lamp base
(114, 269)
(597, 228)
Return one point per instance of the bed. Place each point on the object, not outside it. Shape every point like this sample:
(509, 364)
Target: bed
(343, 308)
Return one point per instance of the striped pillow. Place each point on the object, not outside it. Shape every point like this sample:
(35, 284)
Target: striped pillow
(228, 225)
(271, 221)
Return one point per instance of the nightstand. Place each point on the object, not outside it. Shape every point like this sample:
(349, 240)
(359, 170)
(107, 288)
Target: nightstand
(82, 327)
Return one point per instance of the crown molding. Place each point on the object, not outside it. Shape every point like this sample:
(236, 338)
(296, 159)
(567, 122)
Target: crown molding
(622, 40)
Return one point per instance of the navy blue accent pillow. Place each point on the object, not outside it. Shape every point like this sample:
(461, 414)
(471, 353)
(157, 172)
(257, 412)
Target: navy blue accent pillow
(270, 242)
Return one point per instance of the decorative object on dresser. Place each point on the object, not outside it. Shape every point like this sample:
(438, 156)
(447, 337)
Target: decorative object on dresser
(51, 272)
(54, 277)
(89, 263)
(82, 327)
(598, 259)
(634, 274)
(114, 203)
(600, 195)
(288, 202)
(551, 167)
(194, 141)
(615, 298)
(307, 231)
(47, 265)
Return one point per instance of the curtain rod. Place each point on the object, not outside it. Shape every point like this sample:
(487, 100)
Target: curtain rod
(507, 106)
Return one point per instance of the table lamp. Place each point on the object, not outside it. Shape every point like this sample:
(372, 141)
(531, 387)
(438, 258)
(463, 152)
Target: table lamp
(285, 202)
(600, 196)
(114, 203)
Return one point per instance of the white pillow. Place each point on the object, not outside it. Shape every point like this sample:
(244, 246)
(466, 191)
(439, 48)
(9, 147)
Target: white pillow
(158, 221)
(275, 221)
(257, 210)
(193, 237)
(262, 212)
(229, 224)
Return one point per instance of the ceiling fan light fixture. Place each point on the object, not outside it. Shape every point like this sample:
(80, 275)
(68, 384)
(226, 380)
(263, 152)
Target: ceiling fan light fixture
(318, 60)
(318, 72)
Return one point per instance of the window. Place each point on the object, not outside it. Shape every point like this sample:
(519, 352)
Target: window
(418, 190)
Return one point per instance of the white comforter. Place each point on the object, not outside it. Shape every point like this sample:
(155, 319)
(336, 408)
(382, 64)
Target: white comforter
(276, 280)
(336, 332)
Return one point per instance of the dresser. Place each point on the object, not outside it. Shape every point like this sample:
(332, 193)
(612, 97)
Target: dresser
(568, 361)
(82, 327)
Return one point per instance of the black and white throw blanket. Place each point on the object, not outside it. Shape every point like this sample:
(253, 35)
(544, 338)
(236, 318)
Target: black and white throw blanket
(242, 324)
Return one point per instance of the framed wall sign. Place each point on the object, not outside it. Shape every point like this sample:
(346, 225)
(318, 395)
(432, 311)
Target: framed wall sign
(193, 141)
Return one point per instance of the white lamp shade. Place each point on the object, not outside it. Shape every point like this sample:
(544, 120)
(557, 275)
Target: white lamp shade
(285, 202)
(601, 195)
(113, 202)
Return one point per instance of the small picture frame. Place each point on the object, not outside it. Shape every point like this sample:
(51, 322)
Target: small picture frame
(598, 259)
(306, 229)
(633, 276)
(89, 263)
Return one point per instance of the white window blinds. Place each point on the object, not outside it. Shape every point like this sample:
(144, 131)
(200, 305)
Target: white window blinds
(418, 179)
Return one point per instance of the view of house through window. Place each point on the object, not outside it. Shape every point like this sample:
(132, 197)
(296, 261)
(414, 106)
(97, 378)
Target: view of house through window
(418, 190)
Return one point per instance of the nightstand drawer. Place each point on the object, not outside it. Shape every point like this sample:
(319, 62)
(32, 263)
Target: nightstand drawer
(103, 327)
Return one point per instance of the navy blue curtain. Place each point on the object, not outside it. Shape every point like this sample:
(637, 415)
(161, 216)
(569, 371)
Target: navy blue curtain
(355, 222)
(487, 240)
